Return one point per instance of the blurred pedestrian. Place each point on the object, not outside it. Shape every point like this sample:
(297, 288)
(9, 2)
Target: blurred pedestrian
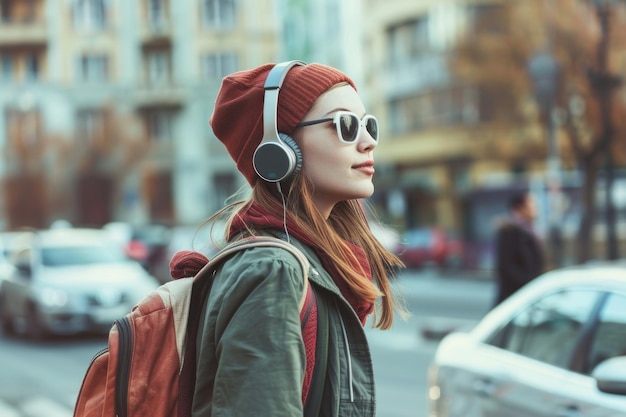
(519, 251)
(306, 147)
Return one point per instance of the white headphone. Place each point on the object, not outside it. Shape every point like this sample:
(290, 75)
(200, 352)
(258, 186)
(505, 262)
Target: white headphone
(277, 157)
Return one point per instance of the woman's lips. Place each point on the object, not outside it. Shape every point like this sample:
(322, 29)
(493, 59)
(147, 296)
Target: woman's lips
(366, 167)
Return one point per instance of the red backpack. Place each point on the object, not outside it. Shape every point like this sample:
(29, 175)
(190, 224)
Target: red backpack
(148, 368)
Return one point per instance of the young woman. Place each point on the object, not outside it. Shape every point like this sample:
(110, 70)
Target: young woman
(254, 358)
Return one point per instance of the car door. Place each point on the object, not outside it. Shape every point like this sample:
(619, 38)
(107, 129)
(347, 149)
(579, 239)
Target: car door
(530, 357)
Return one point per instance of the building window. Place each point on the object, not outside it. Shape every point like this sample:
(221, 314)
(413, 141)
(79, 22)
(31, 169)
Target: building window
(225, 185)
(156, 9)
(89, 125)
(25, 66)
(218, 14)
(434, 108)
(160, 125)
(6, 9)
(408, 41)
(434, 32)
(158, 66)
(23, 126)
(32, 67)
(157, 16)
(6, 68)
(92, 68)
(215, 66)
(89, 14)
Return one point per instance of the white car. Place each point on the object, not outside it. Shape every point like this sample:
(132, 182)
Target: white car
(555, 348)
(69, 281)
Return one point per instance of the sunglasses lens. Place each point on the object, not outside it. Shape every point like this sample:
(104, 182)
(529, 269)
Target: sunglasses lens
(372, 127)
(349, 125)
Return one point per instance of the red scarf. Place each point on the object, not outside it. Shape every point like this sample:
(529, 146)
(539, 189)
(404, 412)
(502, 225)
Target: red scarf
(258, 217)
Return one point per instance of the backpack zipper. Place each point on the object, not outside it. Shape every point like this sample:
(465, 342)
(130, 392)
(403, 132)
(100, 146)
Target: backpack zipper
(123, 366)
(349, 357)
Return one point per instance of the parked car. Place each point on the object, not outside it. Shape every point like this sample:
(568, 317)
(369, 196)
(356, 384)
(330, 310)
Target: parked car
(430, 246)
(68, 281)
(145, 243)
(557, 347)
(10, 241)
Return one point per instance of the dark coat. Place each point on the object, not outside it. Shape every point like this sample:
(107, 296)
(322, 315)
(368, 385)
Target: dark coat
(519, 259)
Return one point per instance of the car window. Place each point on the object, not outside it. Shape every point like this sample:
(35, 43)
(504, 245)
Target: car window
(610, 334)
(81, 255)
(547, 331)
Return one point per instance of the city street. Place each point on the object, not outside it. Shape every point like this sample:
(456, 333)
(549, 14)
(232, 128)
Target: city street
(468, 138)
(42, 379)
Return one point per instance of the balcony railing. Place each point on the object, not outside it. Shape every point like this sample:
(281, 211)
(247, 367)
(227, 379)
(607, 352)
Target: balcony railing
(162, 94)
(23, 32)
(156, 31)
(417, 74)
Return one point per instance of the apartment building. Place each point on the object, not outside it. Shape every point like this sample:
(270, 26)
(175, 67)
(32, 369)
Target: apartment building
(450, 153)
(143, 71)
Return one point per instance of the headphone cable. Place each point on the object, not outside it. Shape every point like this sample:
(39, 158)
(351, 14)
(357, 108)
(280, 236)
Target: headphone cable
(282, 197)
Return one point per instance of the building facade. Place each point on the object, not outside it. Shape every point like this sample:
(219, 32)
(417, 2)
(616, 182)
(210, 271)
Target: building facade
(145, 71)
(80, 76)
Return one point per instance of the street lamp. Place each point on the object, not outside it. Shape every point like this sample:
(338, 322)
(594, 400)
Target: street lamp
(603, 84)
(544, 73)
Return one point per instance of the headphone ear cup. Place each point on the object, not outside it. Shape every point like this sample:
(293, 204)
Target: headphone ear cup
(291, 143)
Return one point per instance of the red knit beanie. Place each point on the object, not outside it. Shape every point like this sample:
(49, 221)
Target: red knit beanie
(237, 118)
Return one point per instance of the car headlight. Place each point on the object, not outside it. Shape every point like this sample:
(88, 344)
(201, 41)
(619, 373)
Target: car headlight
(434, 392)
(51, 297)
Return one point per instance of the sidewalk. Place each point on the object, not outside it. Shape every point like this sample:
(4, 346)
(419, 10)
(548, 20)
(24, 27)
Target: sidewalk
(416, 282)
(35, 407)
(463, 296)
(454, 274)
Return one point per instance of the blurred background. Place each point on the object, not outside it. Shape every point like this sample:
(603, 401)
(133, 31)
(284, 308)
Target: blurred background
(104, 108)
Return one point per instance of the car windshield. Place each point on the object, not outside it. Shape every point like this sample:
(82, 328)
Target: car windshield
(81, 255)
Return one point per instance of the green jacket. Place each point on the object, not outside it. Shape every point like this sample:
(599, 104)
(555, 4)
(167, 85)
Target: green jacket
(251, 357)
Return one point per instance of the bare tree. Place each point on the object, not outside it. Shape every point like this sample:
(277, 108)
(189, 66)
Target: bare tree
(498, 50)
(50, 176)
(106, 150)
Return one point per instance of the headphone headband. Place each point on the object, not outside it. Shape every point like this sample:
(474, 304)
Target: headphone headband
(273, 82)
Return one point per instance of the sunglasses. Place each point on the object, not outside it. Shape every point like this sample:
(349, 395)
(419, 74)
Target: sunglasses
(348, 125)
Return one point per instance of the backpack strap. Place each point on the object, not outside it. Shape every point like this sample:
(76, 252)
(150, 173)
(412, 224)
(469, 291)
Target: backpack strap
(202, 284)
(257, 241)
(314, 398)
(317, 386)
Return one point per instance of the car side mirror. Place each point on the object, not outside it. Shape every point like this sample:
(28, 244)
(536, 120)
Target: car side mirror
(610, 375)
